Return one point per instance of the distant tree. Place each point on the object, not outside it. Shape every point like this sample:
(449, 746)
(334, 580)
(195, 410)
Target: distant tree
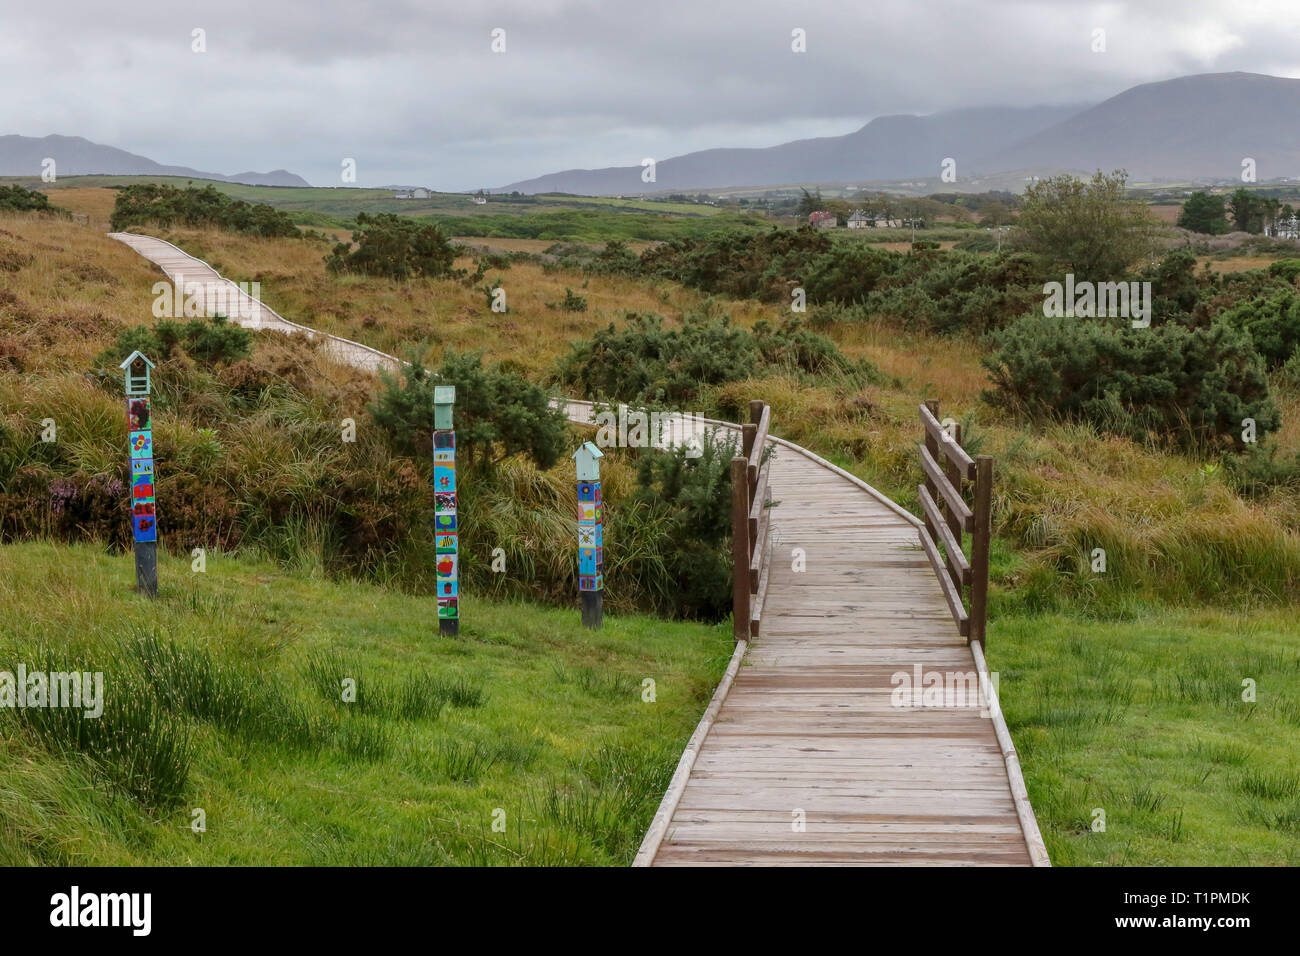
(1087, 227)
(810, 202)
(1203, 212)
(1248, 211)
(995, 213)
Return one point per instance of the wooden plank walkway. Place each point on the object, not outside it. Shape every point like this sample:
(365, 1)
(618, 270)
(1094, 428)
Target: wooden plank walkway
(802, 757)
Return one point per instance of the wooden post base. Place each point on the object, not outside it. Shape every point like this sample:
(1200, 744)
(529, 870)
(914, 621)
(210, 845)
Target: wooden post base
(449, 626)
(593, 609)
(146, 568)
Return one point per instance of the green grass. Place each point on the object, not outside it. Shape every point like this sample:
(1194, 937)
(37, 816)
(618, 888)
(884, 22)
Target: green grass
(225, 695)
(1144, 719)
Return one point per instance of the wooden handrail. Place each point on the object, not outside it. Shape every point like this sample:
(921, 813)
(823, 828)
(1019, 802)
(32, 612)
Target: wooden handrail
(951, 496)
(950, 444)
(947, 525)
(751, 497)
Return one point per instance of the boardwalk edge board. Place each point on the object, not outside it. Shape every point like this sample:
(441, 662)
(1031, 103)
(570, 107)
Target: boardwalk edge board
(654, 836)
(1019, 793)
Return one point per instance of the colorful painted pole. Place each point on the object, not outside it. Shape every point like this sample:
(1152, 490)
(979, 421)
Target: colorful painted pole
(591, 544)
(446, 534)
(144, 517)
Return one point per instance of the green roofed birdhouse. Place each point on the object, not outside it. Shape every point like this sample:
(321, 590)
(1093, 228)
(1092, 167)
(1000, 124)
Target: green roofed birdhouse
(137, 367)
(444, 396)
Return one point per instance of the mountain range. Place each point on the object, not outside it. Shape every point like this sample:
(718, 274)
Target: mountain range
(75, 156)
(1198, 127)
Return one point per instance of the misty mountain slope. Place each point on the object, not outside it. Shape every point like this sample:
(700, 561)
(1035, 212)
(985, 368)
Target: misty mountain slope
(76, 156)
(1188, 128)
(1192, 127)
(887, 147)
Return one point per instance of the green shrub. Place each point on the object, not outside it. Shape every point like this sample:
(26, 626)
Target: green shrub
(167, 205)
(17, 199)
(498, 413)
(687, 499)
(1188, 386)
(1288, 269)
(1273, 323)
(394, 247)
(643, 362)
(210, 342)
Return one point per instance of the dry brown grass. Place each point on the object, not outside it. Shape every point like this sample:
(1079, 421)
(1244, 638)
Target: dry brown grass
(1236, 263)
(397, 316)
(79, 287)
(95, 202)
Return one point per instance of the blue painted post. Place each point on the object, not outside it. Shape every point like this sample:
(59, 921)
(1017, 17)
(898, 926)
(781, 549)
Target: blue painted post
(591, 544)
(144, 515)
(446, 534)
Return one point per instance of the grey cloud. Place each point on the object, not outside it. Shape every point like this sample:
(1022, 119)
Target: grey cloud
(412, 91)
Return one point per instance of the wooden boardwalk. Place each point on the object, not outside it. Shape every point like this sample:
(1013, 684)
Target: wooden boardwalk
(803, 756)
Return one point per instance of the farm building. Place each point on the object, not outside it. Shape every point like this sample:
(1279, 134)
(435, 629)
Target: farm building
(821, 220)
(860, 220)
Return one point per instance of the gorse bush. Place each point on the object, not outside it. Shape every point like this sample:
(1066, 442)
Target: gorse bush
(498, 413)
(688, 500)
(768, 265)
(17, 199)
(1189, 387)
(212, 342)
(394, 247)
(167, 205)
(1273, 323)
(644, 362)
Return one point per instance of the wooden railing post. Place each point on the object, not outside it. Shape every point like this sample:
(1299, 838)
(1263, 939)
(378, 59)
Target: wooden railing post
(740, 547)
(954, 474)
(933, 447)
(979, 589)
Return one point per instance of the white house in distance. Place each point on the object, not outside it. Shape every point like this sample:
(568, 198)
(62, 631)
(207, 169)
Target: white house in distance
(419, 192)
(860, 220)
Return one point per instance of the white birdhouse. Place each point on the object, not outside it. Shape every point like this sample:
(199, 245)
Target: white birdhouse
(588, 457)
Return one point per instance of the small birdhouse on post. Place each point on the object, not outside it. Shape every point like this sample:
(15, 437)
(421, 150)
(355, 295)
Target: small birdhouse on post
(591, 545)
(446, 533)
(444, 397)
(144, 511)
(137, 367)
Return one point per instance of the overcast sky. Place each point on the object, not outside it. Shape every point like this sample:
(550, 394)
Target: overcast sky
(413, 91)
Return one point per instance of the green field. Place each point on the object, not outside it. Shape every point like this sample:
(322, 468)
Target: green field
(1144, 719)
(525, 714)
(541, 216)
